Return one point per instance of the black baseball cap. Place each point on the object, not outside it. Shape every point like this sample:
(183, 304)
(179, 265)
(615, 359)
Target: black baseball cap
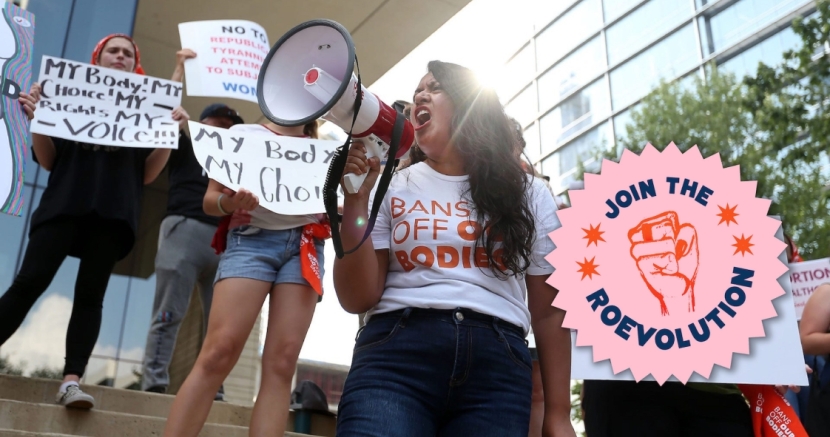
(221, 110)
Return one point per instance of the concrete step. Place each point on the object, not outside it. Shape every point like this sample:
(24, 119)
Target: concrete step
(26, 416)
(138, 403)
(15, 433)
(42, 391)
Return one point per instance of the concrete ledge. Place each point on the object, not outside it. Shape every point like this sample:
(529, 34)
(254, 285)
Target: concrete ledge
(26, 416)
(14, 433)
(42, 391)
(138, 403)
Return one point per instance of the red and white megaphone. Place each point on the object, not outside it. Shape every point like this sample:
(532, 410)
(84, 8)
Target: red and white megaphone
(309, 74)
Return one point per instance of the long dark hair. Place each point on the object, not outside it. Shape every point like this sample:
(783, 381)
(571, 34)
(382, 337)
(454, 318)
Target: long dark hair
(499, 187)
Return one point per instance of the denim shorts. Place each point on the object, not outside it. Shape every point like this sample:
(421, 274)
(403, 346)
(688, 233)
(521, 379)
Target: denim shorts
(265, 255)
(425, 373)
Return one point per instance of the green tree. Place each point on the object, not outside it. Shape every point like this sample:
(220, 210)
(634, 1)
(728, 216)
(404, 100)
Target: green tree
(789, 104)
(7, 368)
(47, 373)
(713, 114)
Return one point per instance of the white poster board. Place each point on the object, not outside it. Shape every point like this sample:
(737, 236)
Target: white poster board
(776, 358)
(805, 277)
(287, 174)
(96, 105)
(229, 54)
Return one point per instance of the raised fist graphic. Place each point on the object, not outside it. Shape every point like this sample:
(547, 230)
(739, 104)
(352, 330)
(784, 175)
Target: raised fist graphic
(667, 256)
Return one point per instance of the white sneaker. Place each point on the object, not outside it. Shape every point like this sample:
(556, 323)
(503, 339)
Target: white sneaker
(75, 398)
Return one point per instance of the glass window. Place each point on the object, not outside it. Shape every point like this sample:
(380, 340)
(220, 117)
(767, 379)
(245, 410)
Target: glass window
(100, 371)
(615, 8)
(769, 51)
(137, 324)
(562, 165)
(546, 10)
(532, 145)
(742, 19)
(573, 72)
(30, 172)
(675, 55)
(623, 120)
(576, 113)
(51, 15)
(95, 19)
(41, 339)
(567, 32)
(516, 74)
(643, 26)
(12, 228)
(113, 317)
(524, 107)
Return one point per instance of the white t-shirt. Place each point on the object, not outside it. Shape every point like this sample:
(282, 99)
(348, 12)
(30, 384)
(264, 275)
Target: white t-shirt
(261, 217)
(433, 261)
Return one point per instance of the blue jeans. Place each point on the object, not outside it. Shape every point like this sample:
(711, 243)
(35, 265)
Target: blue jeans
(421, 373)
(266, 255)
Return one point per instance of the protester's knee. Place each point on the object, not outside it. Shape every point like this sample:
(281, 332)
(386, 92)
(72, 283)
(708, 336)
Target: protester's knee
(217, 357)
(281, 360)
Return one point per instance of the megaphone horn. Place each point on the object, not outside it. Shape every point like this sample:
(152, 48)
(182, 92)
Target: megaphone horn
(309, 74)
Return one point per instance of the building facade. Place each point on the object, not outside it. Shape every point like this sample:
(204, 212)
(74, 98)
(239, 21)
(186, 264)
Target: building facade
(70, 29)
(574, 83)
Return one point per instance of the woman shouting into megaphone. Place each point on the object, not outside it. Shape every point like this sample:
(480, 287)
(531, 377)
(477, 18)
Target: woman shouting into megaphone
(460, 239)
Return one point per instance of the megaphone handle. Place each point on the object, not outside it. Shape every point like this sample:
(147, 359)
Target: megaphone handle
(352, 181)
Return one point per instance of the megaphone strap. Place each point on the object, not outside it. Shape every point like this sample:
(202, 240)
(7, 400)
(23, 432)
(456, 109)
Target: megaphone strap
(337, 167)
(335, 173)
(380, 193)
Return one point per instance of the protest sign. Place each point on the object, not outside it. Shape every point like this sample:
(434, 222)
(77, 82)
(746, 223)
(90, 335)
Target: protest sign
(286, 173)
(96, 105)
(17, 33)
(667, 264)
(805, 277)
(229, 54)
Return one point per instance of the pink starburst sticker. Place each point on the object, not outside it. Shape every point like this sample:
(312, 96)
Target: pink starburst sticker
(666, 263)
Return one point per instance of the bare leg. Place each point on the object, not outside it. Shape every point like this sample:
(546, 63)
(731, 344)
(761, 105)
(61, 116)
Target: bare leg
(290, 313)
(236, 304)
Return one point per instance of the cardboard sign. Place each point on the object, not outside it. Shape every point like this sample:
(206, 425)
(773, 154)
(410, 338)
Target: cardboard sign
(97, 105)
(229, 54)
(805, 277)
(17, 34)
(667, 264)
(287, 174)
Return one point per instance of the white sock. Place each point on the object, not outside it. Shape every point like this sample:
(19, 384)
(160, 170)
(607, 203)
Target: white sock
(66, 385)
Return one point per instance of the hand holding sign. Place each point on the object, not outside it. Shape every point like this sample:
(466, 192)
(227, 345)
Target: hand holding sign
(29, 101)
(243, 200)
(667, 257)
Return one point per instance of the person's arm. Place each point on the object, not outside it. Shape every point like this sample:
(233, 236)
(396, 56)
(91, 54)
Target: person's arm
(181, 56)
(553, 342)
(42, 145)
(230, 201)
(155, 162)
(815, 322)
(359, 277)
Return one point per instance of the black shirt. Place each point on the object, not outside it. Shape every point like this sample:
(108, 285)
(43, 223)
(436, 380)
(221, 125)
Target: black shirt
(96, 181)
(188, 183)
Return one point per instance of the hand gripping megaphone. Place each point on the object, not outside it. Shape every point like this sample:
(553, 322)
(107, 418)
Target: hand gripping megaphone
(309, 74)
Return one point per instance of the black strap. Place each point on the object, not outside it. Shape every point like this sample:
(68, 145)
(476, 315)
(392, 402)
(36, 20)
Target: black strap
(337, 167)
